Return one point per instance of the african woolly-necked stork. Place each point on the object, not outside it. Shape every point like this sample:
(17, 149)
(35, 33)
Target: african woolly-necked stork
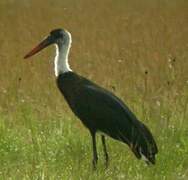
(97, 108)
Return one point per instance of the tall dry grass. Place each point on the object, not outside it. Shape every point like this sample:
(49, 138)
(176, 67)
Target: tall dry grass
(114, 44)
(137, 49)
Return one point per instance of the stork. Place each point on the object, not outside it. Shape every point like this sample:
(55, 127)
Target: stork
(97, 108)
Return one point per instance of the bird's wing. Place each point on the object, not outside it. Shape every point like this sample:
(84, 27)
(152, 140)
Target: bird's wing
(104, 110)
(101, 110)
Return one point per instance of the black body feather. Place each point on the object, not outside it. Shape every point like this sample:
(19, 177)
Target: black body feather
(100, 110)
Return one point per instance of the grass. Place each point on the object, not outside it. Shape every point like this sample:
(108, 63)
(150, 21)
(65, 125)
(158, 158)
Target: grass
(137, 49)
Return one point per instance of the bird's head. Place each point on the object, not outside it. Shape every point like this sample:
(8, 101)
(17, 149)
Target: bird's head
(56, 36)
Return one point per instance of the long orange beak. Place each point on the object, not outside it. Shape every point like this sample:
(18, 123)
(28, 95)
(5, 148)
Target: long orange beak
(46, 42)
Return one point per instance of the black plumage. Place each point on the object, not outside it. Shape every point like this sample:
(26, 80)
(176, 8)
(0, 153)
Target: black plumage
(102, 111)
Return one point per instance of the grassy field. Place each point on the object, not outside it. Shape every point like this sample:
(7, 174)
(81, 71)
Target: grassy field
(137, 49)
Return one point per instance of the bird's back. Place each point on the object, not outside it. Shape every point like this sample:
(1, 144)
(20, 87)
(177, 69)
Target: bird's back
(100, 110)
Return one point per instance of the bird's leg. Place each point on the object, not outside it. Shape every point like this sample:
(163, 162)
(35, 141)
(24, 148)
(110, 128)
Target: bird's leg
(105, 150)
(95, 157)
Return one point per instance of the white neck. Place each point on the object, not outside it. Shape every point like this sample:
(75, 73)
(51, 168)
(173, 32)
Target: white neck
(61, 58)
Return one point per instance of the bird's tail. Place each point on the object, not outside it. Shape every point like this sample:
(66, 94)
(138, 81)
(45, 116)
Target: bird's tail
(141, 143)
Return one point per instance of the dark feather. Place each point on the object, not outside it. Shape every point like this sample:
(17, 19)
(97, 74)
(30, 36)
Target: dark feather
(100, 110)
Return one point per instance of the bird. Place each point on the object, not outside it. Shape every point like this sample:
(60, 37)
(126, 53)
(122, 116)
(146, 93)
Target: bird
(99, 109)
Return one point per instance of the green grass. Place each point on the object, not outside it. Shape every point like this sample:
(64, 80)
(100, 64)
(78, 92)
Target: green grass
(58, 149)
(114, 44)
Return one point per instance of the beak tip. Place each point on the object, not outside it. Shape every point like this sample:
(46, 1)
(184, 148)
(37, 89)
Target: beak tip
(26, 56)
(46, 42)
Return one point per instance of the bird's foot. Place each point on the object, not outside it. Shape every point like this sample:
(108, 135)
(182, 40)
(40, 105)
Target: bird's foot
(107, 162)
(94, 162)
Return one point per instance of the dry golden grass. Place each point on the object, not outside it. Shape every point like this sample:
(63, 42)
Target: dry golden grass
(114, 43)
(138, 49)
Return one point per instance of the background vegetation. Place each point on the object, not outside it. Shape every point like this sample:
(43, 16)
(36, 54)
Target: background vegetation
(137, 49)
